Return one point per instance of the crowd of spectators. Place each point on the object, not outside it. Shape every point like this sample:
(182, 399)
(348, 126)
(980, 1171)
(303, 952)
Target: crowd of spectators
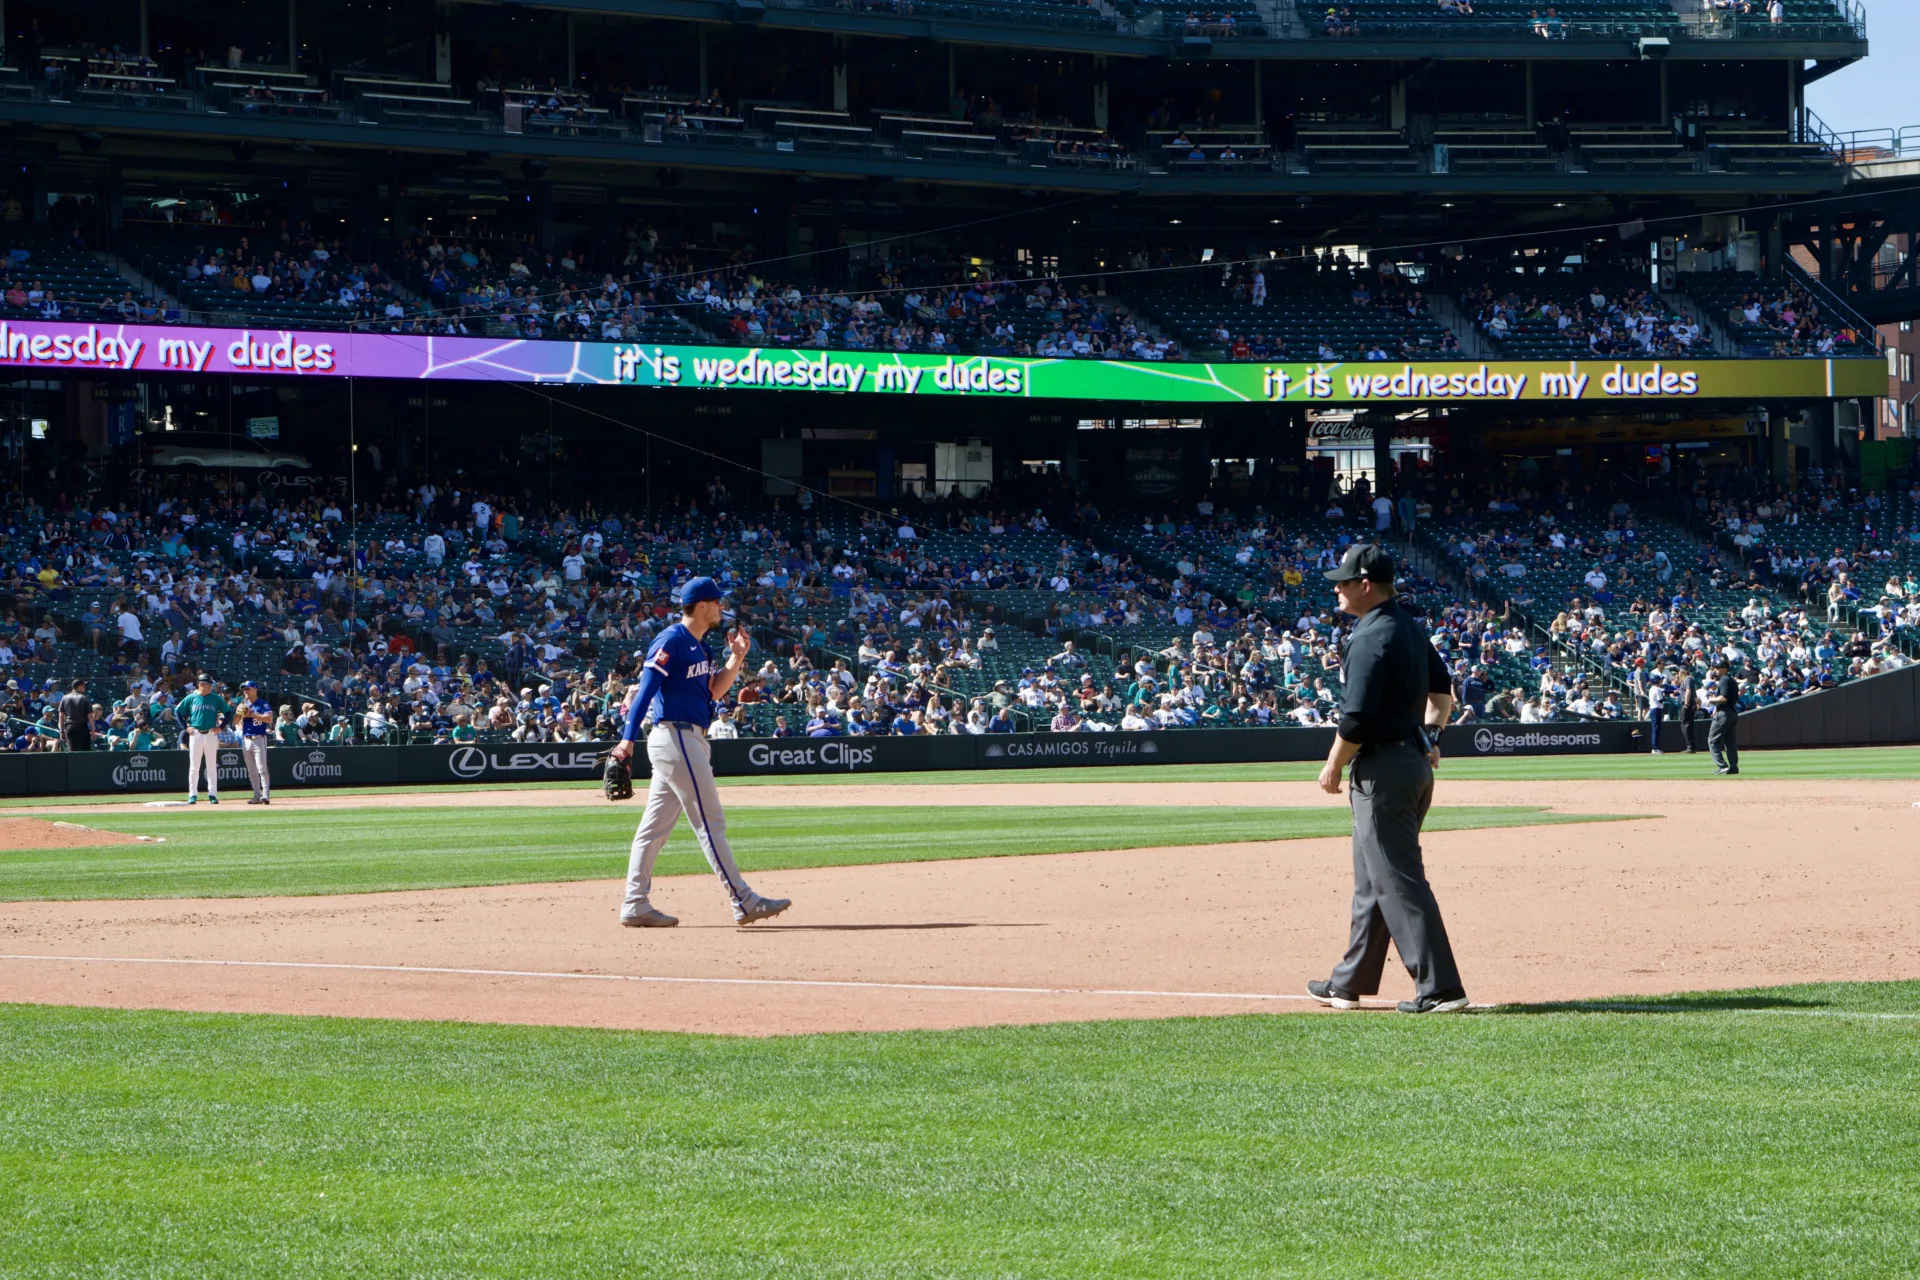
(1628, 323)
(301, 269)
(1638, 601)
(1781, 319)
(450, 614)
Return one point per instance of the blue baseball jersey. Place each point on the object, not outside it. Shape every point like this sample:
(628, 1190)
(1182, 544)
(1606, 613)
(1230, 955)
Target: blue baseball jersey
(257, 728)
(674, 681)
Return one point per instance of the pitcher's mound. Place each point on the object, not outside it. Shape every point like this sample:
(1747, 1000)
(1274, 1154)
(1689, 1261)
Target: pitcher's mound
(42, 833)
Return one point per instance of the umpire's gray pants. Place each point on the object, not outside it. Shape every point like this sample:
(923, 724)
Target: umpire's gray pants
(1723, 740)
(682, 783)
(1391, 789)
(253, 749)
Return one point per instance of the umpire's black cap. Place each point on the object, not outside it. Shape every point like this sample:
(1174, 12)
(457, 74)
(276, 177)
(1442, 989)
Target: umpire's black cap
(1364, 560)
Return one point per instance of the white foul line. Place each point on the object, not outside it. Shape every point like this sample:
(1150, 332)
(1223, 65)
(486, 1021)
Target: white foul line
(636, 977)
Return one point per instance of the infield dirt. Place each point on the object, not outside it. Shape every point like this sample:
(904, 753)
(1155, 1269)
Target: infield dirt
(1734, 884)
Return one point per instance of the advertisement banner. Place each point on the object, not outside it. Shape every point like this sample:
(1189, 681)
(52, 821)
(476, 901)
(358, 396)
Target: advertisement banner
(61, 346)
(297, 768)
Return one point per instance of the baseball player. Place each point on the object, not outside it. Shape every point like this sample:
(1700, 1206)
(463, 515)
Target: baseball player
(255, 715)
(678, 686)
(203, 712)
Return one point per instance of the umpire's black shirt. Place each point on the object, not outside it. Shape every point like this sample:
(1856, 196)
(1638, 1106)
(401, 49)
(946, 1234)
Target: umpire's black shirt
(1729, 690)
(1389, 667)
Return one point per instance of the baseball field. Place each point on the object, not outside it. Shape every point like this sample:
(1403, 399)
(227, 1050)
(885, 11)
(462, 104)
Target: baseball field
(1040, 1024)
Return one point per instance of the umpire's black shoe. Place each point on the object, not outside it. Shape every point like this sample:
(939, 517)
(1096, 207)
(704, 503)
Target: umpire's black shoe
(1326, 993)
(1439, 1002)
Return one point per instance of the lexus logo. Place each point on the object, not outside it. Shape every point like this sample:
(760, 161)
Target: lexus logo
(1483, 741)
(467, 762)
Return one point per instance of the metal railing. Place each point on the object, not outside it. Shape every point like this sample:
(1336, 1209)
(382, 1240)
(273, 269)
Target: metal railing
(1865, 146)
(1835, 307)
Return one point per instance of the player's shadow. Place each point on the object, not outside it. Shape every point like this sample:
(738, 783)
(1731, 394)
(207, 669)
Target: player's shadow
(1659, 1004)
(867, 928)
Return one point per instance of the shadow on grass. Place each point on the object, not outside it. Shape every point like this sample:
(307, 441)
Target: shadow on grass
(1660, 1004)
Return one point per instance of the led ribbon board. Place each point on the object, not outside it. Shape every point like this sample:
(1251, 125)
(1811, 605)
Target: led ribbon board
(56, 347)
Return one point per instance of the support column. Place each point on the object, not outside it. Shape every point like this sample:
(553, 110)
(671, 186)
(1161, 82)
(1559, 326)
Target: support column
(293, 35)
(143, 28)
(953, 80)
(839, 71)
(703, 58)
(543, 214)
(1382, 456)
(1259, 96)
(115, 190)
(1666, 97)
(573, 69)
(300, 196)
(443, 42)
(1101, 100)
(1530, 119)
(1794, 120)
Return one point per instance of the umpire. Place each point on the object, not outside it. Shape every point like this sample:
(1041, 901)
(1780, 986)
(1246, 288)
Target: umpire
(1398, 697)
(1723, 731)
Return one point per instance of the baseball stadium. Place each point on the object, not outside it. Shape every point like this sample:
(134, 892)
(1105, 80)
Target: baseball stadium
(1365, 723)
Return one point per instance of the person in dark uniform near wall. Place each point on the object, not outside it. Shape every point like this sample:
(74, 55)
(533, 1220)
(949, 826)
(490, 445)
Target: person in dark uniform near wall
(1689, 708)
(76, 719)
(1723, 731)
(1398, 697)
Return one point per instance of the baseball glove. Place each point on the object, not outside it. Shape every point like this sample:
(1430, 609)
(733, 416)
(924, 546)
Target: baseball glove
(618, 782)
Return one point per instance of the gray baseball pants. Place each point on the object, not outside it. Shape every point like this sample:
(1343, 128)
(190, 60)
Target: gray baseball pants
(682, 783)
(253, 749)
(1391, 790)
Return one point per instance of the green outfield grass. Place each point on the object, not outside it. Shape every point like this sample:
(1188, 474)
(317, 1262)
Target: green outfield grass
(1883, 763)
(281, 852)
(1731, 1136)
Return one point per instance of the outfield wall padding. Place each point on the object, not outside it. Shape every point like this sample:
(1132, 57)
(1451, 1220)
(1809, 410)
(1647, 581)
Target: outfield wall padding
(1882, 710)
(107, 772)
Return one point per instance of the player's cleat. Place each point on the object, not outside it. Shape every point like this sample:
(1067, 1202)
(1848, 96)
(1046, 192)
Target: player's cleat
(1323, 990)
(649, 917)
(213, 799)
(193, 799)
(759, 909)
(266, 800)
(1440, 1002)
(256, 800)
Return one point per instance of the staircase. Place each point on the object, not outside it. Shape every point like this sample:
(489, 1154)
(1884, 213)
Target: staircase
(1472, 342)
(145, 287)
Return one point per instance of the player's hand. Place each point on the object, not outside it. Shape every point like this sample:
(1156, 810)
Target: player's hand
(621, 750)
(1330, 778)
(739, 642)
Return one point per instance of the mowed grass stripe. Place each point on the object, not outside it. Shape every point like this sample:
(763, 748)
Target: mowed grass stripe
(1563, 1144)
(284, 853)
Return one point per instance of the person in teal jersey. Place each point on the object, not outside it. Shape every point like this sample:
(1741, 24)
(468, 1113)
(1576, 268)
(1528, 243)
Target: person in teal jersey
(201, 713)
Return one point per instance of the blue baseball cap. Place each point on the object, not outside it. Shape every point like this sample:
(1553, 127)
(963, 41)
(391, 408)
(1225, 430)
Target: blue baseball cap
(698, 589)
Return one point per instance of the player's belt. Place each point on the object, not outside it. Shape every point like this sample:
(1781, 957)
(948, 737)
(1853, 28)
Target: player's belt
(682, 724)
